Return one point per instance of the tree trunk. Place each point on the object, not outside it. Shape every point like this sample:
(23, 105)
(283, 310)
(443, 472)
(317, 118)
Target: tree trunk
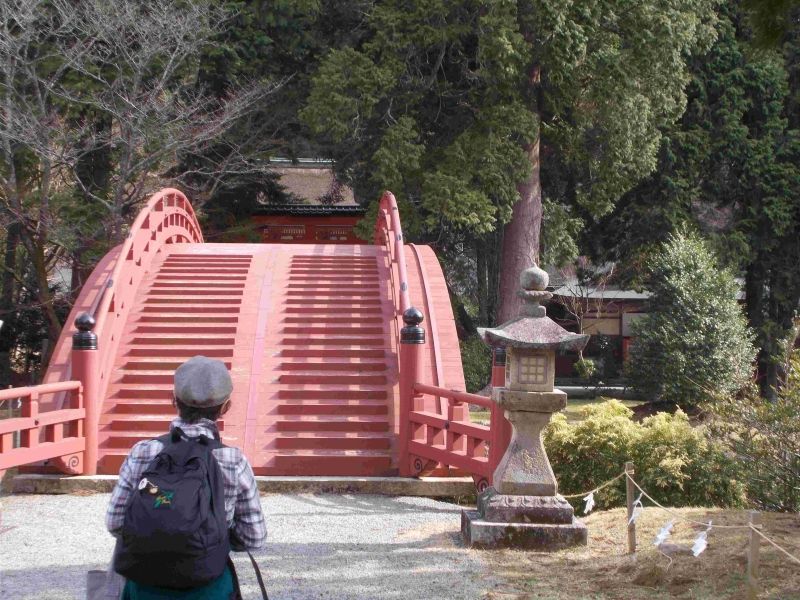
(483, 299)
(756, 309)
(493, 252)
(7, 315)
(520, 247)
(45, 297)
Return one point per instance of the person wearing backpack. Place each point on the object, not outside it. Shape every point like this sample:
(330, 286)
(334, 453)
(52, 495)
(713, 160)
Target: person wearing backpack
(184, 500)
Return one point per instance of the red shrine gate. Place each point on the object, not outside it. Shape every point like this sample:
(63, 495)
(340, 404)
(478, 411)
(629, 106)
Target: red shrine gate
(329, 379)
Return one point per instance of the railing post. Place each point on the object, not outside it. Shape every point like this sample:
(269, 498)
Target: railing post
(498, 367)
(85, 368)
(412, 336)
(500, 426)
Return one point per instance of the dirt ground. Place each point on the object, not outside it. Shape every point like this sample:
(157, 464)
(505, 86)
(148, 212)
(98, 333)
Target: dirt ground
(603, 570)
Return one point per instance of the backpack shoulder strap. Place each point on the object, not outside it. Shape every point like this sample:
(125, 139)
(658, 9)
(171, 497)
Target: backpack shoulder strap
(216, 442)
(175, 436)
(165, 439)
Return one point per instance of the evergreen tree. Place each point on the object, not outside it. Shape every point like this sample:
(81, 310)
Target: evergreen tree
(694, 343)
(451, 105)
(732, 165)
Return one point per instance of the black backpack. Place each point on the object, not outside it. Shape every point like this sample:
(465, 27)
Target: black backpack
(175, 534)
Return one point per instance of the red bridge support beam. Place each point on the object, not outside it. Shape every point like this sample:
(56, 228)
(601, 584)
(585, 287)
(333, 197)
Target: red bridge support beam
(86, 369)
(501, 427)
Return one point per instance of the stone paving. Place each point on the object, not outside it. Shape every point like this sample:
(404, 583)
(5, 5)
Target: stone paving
(344, 547)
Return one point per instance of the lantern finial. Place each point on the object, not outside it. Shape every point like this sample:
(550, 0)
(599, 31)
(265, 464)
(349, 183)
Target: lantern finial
(533, 282)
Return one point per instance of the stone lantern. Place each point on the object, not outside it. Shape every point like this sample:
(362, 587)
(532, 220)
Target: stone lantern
(522, 508)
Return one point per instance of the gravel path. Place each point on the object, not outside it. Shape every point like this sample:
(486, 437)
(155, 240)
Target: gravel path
(342, 547)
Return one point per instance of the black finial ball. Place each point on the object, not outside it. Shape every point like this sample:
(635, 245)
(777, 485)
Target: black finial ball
(412, 333)
(412, 317)
(84, 338)
(84, 322)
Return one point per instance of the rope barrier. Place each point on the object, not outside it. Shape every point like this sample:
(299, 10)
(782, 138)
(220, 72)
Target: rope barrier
(597, 489)
(680, 517)
(794, 558)
(740, 527)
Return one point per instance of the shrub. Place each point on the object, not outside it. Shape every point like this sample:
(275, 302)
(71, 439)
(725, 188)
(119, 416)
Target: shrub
(585, 368)
(677, 464)
(694, 344)
(476, 358)
(764, 436)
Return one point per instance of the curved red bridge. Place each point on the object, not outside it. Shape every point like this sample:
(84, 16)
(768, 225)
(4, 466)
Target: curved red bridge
(309, 332)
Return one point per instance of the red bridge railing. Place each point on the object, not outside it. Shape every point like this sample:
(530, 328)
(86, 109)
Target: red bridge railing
(43, 435)
(430, 438)
(464, 445)
(389, 233)
(167, 218)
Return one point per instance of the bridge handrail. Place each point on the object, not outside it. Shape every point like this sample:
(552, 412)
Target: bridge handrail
(454, 395)
(63, 428)
(103, 290)
(168, 217)
(44, 388)
(389, 233)
(495, 434)
(452, 442)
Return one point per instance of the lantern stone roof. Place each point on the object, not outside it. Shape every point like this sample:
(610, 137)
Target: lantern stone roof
(534, 329)
(540, 333)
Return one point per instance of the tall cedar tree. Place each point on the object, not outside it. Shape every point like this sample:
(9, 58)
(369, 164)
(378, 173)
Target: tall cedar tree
(452, 105)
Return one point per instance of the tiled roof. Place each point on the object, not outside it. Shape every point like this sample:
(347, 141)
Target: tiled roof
(310, 184)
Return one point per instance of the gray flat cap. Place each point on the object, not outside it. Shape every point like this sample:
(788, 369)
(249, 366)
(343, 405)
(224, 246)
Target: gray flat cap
(202, 382)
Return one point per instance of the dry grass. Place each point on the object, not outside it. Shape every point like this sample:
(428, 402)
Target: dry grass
(602, 570)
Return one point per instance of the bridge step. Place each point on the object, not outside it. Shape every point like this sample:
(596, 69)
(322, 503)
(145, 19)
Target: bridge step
(185, 329)
(333, 341)
(320, 378)
(329, 442)
(156, 351)
(179, 319)
(144, 407)
(337, 461)
(129, 423)
(332, 423)
(338, 353)
(323, 393)
(354, 366)
(164, 364)
(331, 407)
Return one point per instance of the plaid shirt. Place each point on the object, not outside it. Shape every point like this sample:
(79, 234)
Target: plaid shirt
(242, 505)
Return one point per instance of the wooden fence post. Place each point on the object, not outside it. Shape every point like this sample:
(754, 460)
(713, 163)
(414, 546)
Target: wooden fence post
(752, 555)
(629, 497)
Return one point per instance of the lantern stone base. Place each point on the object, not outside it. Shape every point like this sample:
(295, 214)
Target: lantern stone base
(544, 523)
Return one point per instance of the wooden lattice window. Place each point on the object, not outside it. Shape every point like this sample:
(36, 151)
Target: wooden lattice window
(277, 233)
(333, 233)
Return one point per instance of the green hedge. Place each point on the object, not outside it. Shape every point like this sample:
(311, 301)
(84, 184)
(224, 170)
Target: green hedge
(676, 463)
